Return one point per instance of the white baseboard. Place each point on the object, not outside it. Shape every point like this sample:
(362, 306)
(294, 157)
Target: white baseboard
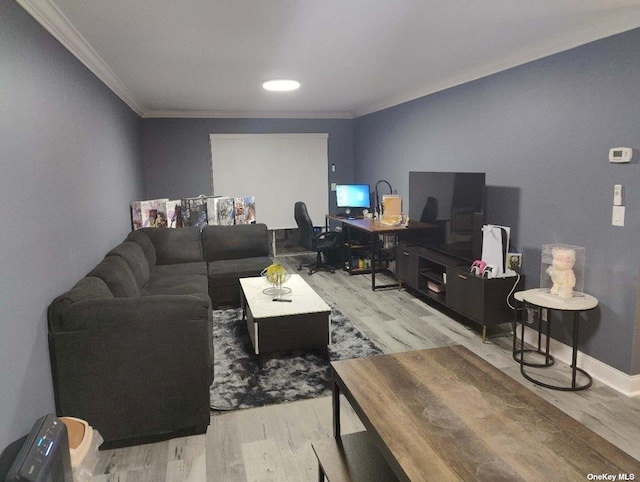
(628, 385)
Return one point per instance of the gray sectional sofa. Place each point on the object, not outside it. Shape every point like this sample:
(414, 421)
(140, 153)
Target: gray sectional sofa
(131, 343)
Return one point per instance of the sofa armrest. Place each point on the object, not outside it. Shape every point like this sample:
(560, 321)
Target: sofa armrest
(134, 368)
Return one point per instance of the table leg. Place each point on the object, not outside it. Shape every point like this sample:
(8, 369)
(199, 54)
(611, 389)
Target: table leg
(522, 343)
(518, 317)
(374, 237)
(336, 410)
(550, 360)
(346, 229)
(548, 334)
(574, 356)
(539, 328)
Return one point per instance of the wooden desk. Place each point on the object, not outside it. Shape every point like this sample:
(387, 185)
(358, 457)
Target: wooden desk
(446, 414)
(373, 228)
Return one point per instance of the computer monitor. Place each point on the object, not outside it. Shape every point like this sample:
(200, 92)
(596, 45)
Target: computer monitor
(353, 196)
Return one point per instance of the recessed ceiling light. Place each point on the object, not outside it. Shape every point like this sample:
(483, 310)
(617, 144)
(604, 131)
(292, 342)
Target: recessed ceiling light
(281, 85)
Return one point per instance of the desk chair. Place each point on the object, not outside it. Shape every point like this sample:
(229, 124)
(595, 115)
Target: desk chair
(320, 243)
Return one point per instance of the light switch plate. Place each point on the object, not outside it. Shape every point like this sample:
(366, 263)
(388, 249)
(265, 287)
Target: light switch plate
(617, 218)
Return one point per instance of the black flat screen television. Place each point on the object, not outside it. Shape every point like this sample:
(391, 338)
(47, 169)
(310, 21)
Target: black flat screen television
(448, 207)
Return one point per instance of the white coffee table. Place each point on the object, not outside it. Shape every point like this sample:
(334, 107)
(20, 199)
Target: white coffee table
(303, 323)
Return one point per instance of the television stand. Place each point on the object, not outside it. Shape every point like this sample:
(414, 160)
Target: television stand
(446, 280)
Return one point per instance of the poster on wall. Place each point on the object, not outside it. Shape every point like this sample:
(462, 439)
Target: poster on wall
(225, 211)
(250, 210)
(244, 210)
(174, 216)
(238, 210)
(200, 211)
(136, 215)
(161, 213)
(149, 214)
(185, 213)
(212, 210)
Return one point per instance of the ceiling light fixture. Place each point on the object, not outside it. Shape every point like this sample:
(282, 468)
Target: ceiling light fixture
(281, 85)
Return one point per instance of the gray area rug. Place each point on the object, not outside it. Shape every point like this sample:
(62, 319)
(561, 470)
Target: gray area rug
(239, 382)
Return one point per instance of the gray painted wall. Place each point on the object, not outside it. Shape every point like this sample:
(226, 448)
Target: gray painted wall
(177, 155)
(541, 132)
(71, 159)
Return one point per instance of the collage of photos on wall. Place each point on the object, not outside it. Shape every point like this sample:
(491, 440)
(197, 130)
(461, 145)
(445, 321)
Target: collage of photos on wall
(198, 211)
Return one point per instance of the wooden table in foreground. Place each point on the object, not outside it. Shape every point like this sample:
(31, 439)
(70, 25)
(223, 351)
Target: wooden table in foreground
(446, 414)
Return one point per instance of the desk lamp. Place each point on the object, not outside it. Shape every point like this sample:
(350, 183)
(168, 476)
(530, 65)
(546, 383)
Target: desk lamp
(378, 203)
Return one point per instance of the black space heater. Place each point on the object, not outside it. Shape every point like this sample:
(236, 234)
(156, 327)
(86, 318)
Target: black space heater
(41, 456)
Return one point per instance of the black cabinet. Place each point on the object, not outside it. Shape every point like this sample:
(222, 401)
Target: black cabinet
(447, 280)
(407, 264)
(465, 293)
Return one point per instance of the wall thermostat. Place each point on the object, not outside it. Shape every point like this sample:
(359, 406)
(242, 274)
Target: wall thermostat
(620, 154)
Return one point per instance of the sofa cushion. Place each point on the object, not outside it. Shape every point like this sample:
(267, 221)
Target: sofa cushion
(173, 246)
(189, 284)
(179, 269)
(133, 254)
(115, 272)
(235, 242)
(222, 272)
(86, 289)
(145, 243)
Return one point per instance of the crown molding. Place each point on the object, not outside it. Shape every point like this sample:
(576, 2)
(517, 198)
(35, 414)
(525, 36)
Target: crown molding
(611, 25)
(215, 114)
(58, 25)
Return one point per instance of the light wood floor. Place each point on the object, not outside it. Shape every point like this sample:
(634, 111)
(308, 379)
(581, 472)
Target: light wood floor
(273, 443)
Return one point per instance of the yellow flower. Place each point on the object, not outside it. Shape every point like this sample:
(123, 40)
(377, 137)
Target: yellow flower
(276, 274)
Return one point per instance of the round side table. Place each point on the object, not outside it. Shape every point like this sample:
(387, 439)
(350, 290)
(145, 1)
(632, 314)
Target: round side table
(540, 299)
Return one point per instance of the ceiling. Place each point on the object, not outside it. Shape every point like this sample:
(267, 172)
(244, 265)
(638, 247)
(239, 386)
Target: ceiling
(208, 58)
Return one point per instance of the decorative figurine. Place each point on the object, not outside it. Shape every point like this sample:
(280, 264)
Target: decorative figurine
(561, 272)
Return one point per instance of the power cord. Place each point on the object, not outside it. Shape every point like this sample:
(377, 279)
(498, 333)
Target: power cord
(511, 292)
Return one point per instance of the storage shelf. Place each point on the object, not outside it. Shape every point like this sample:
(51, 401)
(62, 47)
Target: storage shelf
(478, 299)
(379, 269)
(439, 297)
(358, 246)
(430, 275)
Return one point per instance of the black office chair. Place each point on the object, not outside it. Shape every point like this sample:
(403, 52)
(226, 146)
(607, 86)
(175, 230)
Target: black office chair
(320, 243)
(430, 211)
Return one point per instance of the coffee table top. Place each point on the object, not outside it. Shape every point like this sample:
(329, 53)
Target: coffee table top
(303, 298)
(446, 414)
